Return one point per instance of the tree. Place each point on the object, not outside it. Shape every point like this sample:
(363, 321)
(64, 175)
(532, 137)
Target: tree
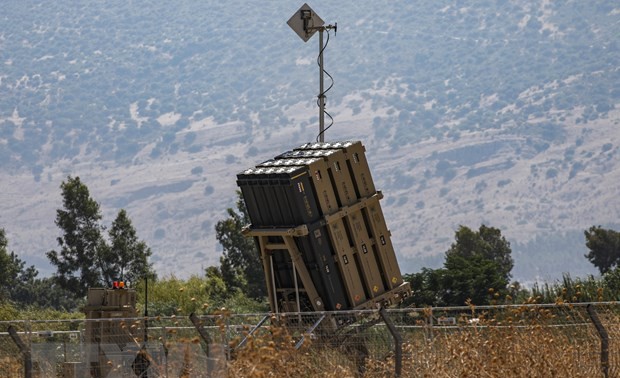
(215, 285)
(16, 280)
(240, 266)
(10, 269)
(487, 243)
(19, 284)
(604, 246)
(85, 259)
(127, 257)
(45, 293)
(477, 264)
(79, 262)
(426, 287)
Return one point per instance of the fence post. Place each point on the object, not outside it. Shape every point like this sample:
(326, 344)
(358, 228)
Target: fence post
(398, 343)
(211, 363)
(602, 332)
(205, 336)
(24, 350)
(430, 323)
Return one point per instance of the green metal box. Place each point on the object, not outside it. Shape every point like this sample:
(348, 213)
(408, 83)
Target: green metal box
(323, 189)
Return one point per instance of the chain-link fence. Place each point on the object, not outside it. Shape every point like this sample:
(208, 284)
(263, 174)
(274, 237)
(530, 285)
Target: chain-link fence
(568, 340)
(576, 340)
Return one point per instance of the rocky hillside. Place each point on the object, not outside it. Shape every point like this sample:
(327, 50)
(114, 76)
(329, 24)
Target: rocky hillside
(496, 112)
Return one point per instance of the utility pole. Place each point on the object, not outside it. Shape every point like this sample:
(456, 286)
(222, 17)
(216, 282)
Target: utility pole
(305, 22)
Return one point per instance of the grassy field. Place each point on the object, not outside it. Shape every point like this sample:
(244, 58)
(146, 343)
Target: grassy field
(508, 353)
(520, 341)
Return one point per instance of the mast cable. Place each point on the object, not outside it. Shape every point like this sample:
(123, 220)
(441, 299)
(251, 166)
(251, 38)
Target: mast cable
(322, 95)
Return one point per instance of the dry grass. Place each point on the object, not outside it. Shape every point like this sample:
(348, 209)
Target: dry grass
(10, 367)
(515, 342)
(508, 352)
(274, 355)
(497, 352)
(525, 344)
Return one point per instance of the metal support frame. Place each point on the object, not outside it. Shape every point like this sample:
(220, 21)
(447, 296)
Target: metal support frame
(296, 288)
(390, 297)
(309, 331)
(267, 259)
(304, 274)
(299, 267)
(256, 327)
(346, 210)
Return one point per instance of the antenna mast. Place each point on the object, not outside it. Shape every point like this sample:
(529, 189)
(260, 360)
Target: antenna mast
(305, 22)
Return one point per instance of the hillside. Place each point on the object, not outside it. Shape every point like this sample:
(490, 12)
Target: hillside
(502, 112)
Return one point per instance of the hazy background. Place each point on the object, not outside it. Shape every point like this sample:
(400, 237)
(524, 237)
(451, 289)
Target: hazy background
(497, 112)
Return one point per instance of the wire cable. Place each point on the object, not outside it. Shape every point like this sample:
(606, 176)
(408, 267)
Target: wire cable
(322, 95)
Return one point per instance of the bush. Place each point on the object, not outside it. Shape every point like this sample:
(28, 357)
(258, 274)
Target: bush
(199, 295)
(8, 312)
